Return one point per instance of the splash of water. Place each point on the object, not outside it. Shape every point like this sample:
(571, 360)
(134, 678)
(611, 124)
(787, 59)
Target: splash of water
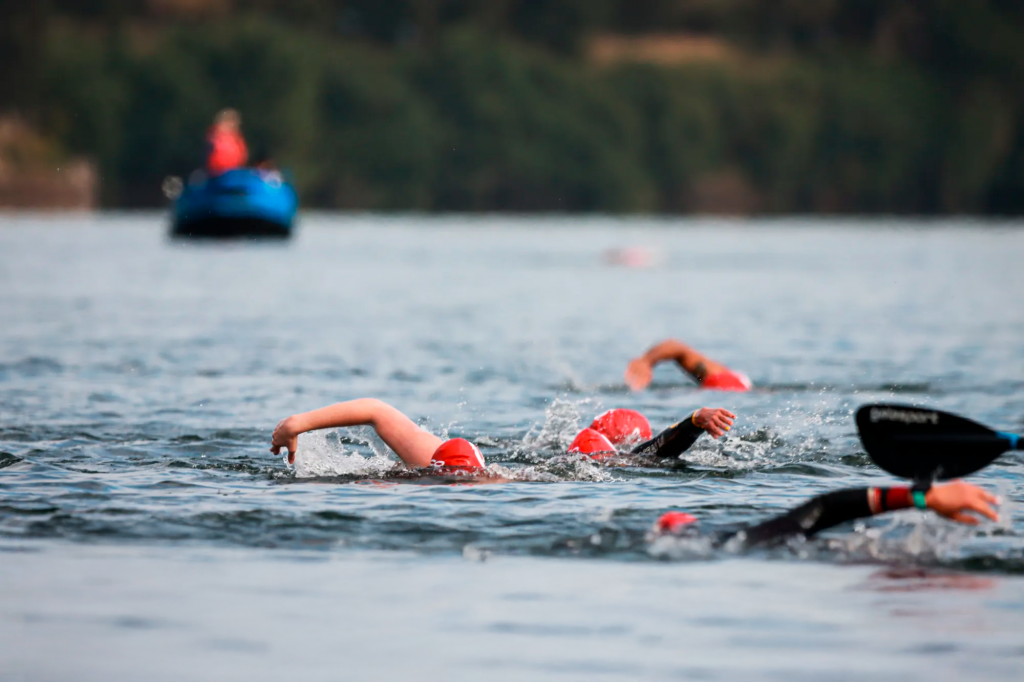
(567, 467)
(321, 453)
(680, 548)
(909, 537)
(561, 424)
(735, 451)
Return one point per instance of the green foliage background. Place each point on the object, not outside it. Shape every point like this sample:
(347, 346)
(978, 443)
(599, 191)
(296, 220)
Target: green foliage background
(879, 106)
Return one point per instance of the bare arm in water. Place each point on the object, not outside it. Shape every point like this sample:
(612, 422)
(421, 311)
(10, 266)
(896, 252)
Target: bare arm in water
(413, 445)
(693, 362)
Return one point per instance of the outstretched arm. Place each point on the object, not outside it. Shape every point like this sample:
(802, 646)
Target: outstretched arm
(952, 500)
(678, 438)
(698, 365)
(411, 443)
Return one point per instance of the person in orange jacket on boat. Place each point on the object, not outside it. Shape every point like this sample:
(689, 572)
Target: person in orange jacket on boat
(708, 373)
(225, 144)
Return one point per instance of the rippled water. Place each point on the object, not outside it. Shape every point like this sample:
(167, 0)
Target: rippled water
(140, 380)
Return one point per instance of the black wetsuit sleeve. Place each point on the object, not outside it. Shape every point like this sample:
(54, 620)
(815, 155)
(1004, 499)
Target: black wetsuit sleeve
(813, 516)
(672, 442)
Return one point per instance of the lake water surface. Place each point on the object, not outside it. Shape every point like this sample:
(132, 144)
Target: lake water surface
(147, 533)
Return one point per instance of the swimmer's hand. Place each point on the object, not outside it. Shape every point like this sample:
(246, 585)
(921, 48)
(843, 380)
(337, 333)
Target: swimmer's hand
(639, 373)
(953, 500)
(715, 420)
(286, 435)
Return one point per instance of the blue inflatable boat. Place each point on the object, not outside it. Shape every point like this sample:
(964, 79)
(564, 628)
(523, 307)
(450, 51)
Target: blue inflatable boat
(244, 202)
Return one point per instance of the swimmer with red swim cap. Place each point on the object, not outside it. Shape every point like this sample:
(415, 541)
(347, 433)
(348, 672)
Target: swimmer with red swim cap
(413, 445)
(708, 373)
(951, 500)
(420, 449)
(621, 428)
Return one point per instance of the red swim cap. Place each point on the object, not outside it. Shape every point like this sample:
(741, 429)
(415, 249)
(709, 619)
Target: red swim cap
(727, 381)
(673, 522)
(593, 443)
(458, 453)
(623, 426)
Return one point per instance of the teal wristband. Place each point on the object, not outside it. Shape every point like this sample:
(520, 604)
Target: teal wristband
(919, 500)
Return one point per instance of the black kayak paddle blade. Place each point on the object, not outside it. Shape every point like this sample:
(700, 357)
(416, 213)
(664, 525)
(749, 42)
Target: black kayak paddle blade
(925, 444)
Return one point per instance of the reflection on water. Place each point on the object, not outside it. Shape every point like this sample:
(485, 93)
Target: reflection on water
(916, 579)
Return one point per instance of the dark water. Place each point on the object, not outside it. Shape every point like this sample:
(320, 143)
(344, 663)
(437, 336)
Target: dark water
(140, 380)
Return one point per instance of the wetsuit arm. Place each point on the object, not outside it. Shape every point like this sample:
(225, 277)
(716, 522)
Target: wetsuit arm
(411, 443)
(828, 510)
(672, 442)
(957, 500)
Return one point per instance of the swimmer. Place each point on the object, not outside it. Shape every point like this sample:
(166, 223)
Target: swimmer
(957, 500)
(628, 428)
(707, 372)
(419, 449)
(416, 447)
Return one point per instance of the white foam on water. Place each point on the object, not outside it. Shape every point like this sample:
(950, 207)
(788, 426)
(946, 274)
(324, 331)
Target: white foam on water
(320, 454)
(1006, 509)
(915, 538)
(562, 420)
(911, 536)
(679, 548)
(568, 467)
(735, 451)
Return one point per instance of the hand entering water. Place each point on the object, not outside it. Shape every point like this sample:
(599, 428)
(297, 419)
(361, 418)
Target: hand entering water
(715, 420)
(638, 374)
(954, 500)
(286, 436)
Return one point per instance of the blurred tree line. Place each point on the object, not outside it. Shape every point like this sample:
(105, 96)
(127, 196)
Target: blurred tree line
(812, 105)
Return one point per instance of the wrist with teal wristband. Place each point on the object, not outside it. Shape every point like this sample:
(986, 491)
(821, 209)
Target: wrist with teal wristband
(918, 492)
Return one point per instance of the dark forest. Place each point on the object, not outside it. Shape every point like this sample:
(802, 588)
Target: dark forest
(667, 106)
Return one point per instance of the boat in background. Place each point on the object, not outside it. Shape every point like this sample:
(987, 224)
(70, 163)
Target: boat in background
(243, 202)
